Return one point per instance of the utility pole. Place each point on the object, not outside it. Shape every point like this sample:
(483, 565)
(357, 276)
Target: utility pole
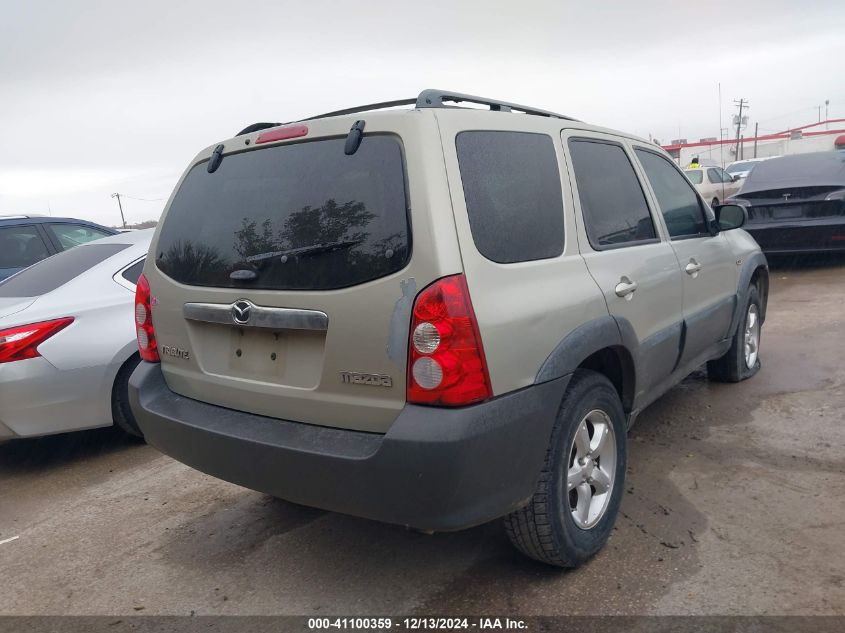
(120, 206)
(742, 103)
(826, 117)
(756, 128)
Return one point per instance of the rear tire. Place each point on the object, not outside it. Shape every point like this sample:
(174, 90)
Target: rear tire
(120, 409)
(742, 360)
(558, 526)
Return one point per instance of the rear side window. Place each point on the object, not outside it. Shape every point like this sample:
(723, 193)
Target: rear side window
(21, 246)
(613, 203)
(132, 273)
(299, 217)
(55, 271)
(70, 235)
(678, 202)
(714, 176)
(513, 197)
(696, 177)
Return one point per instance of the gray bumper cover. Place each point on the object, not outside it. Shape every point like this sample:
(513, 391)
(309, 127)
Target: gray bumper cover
(435, 469)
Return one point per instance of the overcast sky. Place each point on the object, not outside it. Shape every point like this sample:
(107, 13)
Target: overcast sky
(98, 97)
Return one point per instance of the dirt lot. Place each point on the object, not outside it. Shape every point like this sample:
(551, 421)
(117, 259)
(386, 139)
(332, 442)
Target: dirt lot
(735, 504)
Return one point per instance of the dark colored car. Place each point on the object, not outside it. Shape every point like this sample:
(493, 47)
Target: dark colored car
(25, 240)
(796, 204)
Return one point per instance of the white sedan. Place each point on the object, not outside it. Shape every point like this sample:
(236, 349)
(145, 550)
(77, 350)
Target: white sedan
(713, 183)
(67, 339)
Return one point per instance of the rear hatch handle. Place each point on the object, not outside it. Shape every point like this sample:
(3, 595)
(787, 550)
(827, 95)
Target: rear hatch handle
(244, 313)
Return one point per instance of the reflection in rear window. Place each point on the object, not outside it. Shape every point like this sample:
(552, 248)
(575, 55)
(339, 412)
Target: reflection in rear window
(55, 271)
(302, 216)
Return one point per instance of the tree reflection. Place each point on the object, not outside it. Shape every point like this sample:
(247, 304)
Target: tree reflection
(351, 256)
(249, 242)
(310, 226)
(188, 262)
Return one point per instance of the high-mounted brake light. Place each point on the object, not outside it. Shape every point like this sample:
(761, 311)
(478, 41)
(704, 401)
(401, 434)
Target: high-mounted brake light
(144, 321)
(282, 133)
(446, 364)
(21, 342)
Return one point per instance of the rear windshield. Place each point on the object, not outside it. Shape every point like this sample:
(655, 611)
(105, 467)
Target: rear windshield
(55, 271)
(295, 217)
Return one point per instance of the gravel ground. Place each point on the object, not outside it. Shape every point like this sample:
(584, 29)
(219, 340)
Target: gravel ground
(733, 505)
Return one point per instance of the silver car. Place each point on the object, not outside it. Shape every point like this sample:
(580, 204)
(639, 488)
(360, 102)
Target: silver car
(67, 340)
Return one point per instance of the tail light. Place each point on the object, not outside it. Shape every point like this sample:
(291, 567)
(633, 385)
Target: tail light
(446, 364)
(144, 321)
(21, 342)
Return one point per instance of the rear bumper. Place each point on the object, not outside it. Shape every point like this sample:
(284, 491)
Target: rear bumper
(809, 236)
(38, 399)
(435, 469)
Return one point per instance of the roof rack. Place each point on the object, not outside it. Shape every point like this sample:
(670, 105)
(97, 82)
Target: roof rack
(429, 98)
(432, 98)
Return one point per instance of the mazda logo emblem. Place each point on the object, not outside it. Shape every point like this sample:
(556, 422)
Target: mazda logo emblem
(241, 311)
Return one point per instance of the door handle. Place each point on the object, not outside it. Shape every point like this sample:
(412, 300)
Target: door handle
(625, 288)
(692, 268)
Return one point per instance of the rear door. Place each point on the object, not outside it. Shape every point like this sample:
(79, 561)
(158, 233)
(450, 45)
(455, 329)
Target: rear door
(710, 270)
(283, 281)
(621, 242)
(723, 185)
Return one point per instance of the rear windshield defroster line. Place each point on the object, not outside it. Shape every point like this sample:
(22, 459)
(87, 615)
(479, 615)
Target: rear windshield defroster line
(304, 216)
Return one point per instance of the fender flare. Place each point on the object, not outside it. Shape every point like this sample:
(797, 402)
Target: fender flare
(588, 338)
(749, 266)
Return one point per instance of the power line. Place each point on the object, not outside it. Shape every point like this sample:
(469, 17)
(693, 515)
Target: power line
(123, 195)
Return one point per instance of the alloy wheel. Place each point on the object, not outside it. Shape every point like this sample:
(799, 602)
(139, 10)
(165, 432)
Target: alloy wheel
(592, 469)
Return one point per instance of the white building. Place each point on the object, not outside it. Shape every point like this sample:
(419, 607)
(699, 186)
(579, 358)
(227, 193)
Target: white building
(815, 137)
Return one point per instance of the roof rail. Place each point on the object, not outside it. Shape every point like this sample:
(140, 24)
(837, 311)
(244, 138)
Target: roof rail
(429, 98)
(364, 108)
(432, 98)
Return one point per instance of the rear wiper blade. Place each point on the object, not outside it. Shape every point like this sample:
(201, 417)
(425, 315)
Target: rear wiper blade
(302, 251)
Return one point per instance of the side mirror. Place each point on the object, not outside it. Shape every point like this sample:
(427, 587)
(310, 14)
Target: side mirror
(730, 216)
(734, 178)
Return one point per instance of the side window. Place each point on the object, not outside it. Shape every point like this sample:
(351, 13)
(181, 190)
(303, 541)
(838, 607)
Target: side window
(726, 177)
(612, 200)
(696, 176)
(21, 246)
(513, 197)
(678, 202)
(714, 176)
(70, 235)
(132, 273)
